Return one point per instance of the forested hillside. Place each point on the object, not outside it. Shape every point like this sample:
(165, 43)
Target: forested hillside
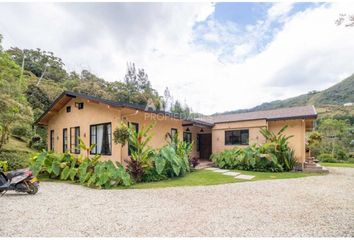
(30, 79)
(329, 102)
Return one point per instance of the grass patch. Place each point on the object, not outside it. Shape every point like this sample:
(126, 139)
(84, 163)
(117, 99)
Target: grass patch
(197, 178)
(347, 165)
(17, 145)
(275, 175)
(205, 178)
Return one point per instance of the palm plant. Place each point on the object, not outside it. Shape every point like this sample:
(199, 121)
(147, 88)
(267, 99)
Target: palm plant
(277, 144)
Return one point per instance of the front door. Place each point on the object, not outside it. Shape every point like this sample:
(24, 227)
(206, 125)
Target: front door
(204, 146)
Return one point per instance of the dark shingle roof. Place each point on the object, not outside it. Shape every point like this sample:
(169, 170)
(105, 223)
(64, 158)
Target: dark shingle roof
(276, 114)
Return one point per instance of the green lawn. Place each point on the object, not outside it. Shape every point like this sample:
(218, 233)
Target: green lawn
(207, 177)
(348, 165)
(18, 145)
(204, 178)
(275, 175)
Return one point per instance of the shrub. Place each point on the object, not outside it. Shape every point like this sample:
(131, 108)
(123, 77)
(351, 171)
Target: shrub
(274, 156)
(326, 157)
(22, 132)
(251, 158)
(340, 153)
(315, 149)
(15, 159)
(4, 166)
(277, 144)
(37, 143)
(169, 163)
(88, 171)
(107, 175)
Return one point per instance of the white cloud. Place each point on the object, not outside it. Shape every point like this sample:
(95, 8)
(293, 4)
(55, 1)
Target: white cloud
(309, 52)
(279, 9)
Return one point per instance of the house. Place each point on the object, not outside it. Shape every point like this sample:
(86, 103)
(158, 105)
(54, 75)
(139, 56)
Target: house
(74, 115)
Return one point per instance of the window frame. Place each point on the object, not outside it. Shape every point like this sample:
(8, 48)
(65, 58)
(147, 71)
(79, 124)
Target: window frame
(68, 109)
(109, 137)
(190, 137)
(172, 130)
(137, 130)
(74, 150)
(241, 131)
(80, 105)
(65, 140)
(51, 140)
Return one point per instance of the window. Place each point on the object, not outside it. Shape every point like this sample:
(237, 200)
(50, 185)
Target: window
(51, 146)
(79, 105)
(68, 109)
(74, 140)
(101, 136)
(65, 140)
(135, 126)
(187, 137)
(237, 137)
(173, 131)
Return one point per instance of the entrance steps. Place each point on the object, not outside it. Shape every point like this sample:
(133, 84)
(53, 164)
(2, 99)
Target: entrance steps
(312, 166)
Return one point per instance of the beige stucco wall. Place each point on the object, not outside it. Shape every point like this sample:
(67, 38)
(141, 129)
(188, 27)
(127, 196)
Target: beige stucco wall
(162, 126)
(218, 133)
(92, 113)
(96, 113)
(295, 128)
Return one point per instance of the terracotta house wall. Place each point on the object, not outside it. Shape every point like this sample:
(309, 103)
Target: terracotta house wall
(218, 133)
(163, 125)
(296, 128)
(96, 113)
(92, 113)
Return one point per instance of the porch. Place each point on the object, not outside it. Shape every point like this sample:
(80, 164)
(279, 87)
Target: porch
(198, 133)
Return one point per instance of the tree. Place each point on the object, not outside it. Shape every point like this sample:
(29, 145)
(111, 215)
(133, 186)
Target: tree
(88, 83)
(137, 88)
(38, 99)
(13, 102)
(43, 64)
(336, 136)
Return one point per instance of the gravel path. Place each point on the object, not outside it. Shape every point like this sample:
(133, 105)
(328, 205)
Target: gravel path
(312, 206)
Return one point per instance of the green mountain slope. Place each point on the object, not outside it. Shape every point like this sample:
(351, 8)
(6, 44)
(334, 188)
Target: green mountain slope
(333, 97)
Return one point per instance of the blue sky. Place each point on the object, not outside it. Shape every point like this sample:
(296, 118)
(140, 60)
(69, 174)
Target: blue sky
(239, 17)
(215, 57)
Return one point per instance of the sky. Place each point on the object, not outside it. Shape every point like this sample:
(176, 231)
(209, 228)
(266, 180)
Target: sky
(213, 56)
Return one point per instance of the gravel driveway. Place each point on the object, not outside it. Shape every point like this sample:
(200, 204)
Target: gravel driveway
(312, 206)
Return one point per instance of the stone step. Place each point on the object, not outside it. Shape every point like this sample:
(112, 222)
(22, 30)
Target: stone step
(310, 164)
(317, 169)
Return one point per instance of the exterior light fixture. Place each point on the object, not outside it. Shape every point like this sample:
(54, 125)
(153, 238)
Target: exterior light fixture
(201, 130)
(187, 130)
